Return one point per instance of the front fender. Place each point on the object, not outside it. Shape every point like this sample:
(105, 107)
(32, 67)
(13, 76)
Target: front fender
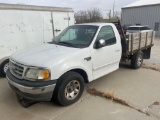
(61, 69)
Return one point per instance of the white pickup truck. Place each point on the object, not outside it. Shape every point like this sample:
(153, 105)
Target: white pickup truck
(80, 54)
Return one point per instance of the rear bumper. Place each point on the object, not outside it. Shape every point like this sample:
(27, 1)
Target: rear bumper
(31, 90)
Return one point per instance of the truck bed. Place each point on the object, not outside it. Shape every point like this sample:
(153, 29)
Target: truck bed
(140, 41)
(135, 41)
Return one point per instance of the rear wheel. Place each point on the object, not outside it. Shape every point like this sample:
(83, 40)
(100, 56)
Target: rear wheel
(137, 60)
(69, 88)
(4, 67)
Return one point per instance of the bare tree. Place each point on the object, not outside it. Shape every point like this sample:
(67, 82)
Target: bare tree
(117, 14)
(94, 14)
(81, 16)
(91, 15)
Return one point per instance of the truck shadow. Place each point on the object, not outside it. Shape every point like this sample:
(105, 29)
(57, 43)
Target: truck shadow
(125, 65)
(2, 76)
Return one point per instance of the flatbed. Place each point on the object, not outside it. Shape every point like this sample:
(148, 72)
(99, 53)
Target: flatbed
(134, 42)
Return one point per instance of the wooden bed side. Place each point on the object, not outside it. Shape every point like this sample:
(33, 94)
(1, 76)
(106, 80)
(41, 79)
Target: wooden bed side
(139, 41)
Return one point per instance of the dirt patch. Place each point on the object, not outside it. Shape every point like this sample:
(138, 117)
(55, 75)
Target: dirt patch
(156, 103)
(111, 96)
(152, 67)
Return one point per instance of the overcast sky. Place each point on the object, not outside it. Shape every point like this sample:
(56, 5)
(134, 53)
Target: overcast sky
(76, 4)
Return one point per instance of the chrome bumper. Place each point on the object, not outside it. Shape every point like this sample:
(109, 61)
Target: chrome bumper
(33, 90)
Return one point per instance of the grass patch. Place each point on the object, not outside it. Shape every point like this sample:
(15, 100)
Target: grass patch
(111, 96)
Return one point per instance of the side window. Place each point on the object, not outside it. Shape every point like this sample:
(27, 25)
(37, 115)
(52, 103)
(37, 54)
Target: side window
(148, 28)
(107, 34)
(144, 28)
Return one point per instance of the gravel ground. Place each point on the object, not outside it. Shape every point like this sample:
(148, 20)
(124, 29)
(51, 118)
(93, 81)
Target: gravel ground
(154, 62)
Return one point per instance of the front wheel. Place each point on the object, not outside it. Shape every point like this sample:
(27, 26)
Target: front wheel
(4, 67)
(69, 88)
(137, 60)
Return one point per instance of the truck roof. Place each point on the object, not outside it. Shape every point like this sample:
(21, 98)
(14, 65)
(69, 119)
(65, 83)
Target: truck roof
(4, 6)
(137, 26)
(96, 24)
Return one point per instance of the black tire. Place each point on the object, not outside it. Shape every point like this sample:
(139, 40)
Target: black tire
(59, 95)
(2, 72)
(137, 60)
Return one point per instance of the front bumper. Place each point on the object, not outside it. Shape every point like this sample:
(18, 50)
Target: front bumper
(32, 90)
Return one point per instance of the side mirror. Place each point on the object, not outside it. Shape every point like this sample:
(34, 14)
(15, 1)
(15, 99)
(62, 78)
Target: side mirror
(101, 43)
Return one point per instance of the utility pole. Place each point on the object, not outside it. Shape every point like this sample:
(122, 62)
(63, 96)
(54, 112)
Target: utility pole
(110, 15)
(113, 8)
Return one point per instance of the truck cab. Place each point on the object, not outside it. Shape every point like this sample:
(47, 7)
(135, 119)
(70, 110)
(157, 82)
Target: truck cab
(58, 70)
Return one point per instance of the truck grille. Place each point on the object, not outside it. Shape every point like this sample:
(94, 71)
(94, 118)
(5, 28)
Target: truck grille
(16, 69)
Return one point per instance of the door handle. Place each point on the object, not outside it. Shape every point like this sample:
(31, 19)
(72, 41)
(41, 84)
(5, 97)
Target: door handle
(88, 58)
(57, 30)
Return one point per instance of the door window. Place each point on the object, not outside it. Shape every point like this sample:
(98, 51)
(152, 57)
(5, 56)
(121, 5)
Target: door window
(108, 35)
(144, 28)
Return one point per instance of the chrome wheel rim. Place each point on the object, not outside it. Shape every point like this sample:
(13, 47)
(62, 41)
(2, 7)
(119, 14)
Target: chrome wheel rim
(72, 90)
(139, 62)
(5, 68)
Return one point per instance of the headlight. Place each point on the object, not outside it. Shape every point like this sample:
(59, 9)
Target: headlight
(40, 74)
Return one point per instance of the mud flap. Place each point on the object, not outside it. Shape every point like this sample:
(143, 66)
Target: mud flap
(147, 53)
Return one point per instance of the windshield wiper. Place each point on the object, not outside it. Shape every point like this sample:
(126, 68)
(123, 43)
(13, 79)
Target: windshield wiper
(52, 42)
(70, 44)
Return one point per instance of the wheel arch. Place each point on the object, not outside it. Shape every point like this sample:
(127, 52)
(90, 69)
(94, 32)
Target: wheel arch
(2, 72)
(81, 72)
(3, 59)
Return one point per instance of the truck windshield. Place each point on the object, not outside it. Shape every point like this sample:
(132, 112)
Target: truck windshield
(79, 36)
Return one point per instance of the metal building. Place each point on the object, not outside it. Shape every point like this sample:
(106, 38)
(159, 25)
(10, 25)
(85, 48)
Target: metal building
(143, 12)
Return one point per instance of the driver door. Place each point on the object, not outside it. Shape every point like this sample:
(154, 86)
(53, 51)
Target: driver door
(107, 58)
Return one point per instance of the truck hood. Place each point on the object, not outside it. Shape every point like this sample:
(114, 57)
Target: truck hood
(39, 55)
